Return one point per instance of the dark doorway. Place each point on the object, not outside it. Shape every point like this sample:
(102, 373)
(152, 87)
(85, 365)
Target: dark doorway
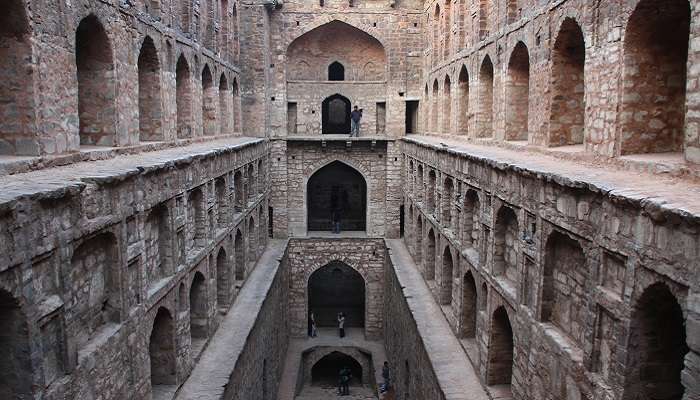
(336, 72)
(412, 116)
(336, 115)
(336, 288)
(340, 190)
(402, 221)
(326, 371)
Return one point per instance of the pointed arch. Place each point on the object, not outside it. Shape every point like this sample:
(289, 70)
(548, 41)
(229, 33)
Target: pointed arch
(336, 192)
(447, 276)
(337, 287)
(435, 107)
(96, 83)
(447, 105)
(518, 93)
(463, 102)
(225, 100)
(469, 306)
(183, 98)
(500, 353)
(336, 114)
(567, 108)
(209, 104)
(161, 349)
(150, 102)
(486, 102)
(430, 261)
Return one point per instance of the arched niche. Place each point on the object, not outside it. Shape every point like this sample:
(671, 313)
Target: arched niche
(337, 189)
(320, 47)
(335, 115)
(333, 288)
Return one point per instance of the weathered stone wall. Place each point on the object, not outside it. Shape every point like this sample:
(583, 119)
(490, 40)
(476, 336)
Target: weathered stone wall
(366, 256)
(583, 260)
(125, 56)
(397, 29)
(562, 73)
(413, 373)
(261, 362)
(93, 251)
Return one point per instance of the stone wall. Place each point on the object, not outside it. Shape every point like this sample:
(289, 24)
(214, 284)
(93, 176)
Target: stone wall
(365, 256)
(94, 252)
(550, 276)
(412, 368)
(95, 73)
(563, 73)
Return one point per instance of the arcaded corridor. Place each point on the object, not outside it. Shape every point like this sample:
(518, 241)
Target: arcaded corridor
(185, 215)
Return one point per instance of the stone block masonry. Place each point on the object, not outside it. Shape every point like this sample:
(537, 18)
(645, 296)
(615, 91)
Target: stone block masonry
(103, 259)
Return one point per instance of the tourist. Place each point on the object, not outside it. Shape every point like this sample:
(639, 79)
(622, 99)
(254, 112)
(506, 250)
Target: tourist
(341, 324)
(386, 376)
(355, 118)
(344, 381)
(312, 324)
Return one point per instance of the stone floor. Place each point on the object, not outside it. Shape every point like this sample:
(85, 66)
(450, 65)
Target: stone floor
(327, 337)
(325, 393)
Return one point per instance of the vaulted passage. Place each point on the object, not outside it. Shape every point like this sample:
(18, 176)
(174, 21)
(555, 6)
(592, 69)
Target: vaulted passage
(518, 93)
(657, 347)
(500, 368)
(183, 98)
(161, 349)
(336, 115)
(566, 125)
(326, 371)
(337, 288)
(469, 306)
(150, 114)
(15, 365)
(655, 58)
(16, 94)
(485, 114)
(198, 309)
(337, 192)
(209, 104)
(96, 84)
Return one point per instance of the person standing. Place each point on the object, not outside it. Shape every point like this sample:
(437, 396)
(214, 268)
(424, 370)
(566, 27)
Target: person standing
(355, 118)
(386, 376)
(335, 220)
(341, 324)
(312, 324)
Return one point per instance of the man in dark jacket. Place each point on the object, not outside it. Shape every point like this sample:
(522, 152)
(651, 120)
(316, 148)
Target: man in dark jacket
(355, 118)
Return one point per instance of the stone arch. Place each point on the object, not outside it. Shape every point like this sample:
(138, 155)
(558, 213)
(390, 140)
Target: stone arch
(500, 353)
(340, 191)
(505, 244)
(96, 83)
(159, 253)
(15, 364)
(336, 71)
(447, 31)
(95, 269)
(655, 56)
(252, 183)
(420, 190)
(199, 316)
(17, 122)
(484, 18)
(435, 107)
(262, 231)
(239, 249)
(161, 349)
(239, 189)
(429, 267)
(486, 102)
(463, 101)
(325, 371)
(425, 110)
(432, 178)
(469, 306)
(337, 287)
(196, 219)
(252, 253)
(562, 284)
(484, 297)
(656, 347)
(182, 297)
(447, 105)
(436, 39)
(319, 46)
(518, 93)
(183, 98)
(184, 15)
(209, 103)
(335, 118)
(223, 279)
(236, 117)
(470, 216)
(448, 195)
(224, 106)
(329, 21)
(221, 201)
(419, 241)
(447, 276)
(513, 11)
(567, 108)
(150, 108)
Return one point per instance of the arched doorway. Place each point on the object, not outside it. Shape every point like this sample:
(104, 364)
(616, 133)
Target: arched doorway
(340, 190)
(15, 365)
(336, 115)
(161, 349)
(336, 288)
(657, 347)
(325, 372)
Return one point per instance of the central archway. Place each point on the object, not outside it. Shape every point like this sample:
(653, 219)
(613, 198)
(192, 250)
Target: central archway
(335, 288)
(336, 191)
(336, 115)
(325, 372)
